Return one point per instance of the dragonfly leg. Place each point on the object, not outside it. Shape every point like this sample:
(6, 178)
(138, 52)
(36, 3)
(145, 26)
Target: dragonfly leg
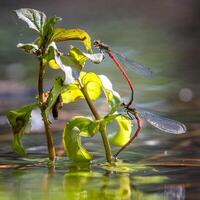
(129, 115)
(139, 126)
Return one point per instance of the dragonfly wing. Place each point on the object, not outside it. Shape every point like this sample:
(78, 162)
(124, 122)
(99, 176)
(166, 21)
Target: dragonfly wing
(162, 123)
(132, 65)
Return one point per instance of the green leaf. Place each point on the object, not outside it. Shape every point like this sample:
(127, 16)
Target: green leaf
(34, 18)
(112, 96)
(58, 87)
(122, 136)
(28, 48)
(61, 34)
(87, 127)
(110, 117)
(72, 141)
(19, 120)
(48, 29)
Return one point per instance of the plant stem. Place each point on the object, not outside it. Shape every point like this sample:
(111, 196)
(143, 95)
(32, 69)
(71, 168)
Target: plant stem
(102, 128)
(50, 145)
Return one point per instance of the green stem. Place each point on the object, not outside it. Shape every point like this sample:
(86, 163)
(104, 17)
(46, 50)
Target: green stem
(102, 125)
(50, 145)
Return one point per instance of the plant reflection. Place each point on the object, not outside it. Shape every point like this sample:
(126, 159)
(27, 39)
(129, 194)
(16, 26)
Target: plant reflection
(83, 183)
(88, 182)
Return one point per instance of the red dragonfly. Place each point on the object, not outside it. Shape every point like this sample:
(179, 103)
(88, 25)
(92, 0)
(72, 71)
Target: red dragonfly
(118, 58)
(162, 123)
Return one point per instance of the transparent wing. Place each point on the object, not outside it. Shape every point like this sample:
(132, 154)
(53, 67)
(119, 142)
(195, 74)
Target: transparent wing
(132, 65)
(162, 123)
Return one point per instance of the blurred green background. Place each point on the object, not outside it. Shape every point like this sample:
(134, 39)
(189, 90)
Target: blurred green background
(161, 34)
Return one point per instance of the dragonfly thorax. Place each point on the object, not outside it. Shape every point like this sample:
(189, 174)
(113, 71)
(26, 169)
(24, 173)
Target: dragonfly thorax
(101, 45)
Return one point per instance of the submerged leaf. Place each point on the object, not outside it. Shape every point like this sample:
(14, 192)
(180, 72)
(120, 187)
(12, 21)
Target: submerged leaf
(34, 18)
(124, 132)
(19, 120)
(61, 34)
(74, 129)
(123, 167)
(141, 180)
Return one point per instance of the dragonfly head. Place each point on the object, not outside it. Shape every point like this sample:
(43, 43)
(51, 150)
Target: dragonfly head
(101, 45)
(123, 105)
(97, 43)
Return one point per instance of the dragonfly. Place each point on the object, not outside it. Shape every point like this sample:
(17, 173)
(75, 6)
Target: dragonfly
(118, 58)
(162, 123)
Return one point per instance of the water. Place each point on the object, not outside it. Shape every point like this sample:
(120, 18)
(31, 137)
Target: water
(157, 165)
(151, 169)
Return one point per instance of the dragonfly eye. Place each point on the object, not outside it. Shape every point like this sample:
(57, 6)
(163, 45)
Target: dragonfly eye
(96, 43)
(123, 104)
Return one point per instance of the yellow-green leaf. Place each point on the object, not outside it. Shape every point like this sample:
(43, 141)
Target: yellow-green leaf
(92, 85)
(90, 77)
(93, 90)
(75, 59)
(61, 34)
(124, 131)
(51, 56)
(53, 64)
(87, 126)
(72, 143)
(71, 94)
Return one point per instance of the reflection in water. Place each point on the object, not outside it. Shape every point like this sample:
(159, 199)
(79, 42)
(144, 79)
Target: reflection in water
(80, 182)
(174, 192)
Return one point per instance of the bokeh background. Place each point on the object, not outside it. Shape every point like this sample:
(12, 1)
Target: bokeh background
(161, 34)
(164, 35)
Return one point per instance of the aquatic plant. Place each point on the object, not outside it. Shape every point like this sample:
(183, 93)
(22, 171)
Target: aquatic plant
(76, 84)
